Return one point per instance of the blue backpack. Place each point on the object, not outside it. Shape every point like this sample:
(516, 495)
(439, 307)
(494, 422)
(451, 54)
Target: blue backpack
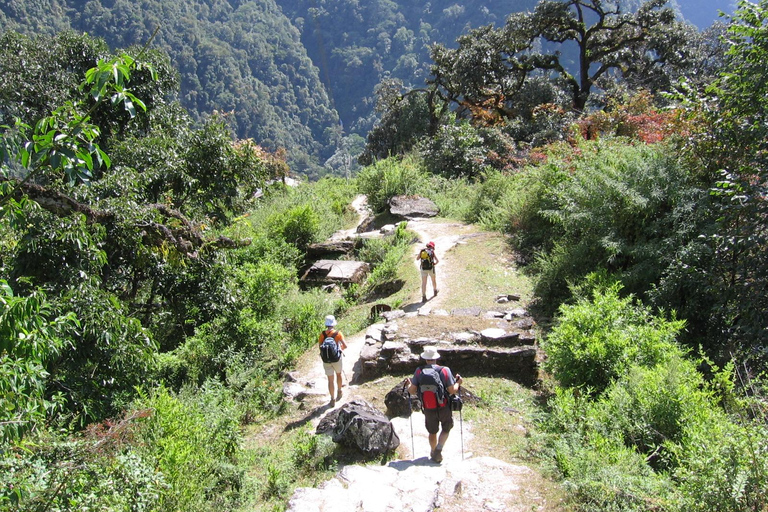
(330, 351)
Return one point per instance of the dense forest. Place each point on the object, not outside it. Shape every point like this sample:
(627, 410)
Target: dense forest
(151, 251)
(294, 75)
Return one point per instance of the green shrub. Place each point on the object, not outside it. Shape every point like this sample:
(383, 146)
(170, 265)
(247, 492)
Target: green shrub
(596, 341)
(312, 452)
(208, 352)
(325, 205)
(375, 250)
(649, 408)
(302, 315)
(298, 226)
(263, 248)
(488, 205)
(93, 474)
(28, 343)
(261, 286)
(391, 177)
(531, 195)
(653, 435)
(599, 470)
(385, 256)
(453, 197)
(656, 438)
(608, 205)
(194, 440)
(257, 391)
(112, 345)
(723, 465)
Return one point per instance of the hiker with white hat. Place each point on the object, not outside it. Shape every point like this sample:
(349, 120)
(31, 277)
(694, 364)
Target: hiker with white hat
(434, 385)
(332, 346)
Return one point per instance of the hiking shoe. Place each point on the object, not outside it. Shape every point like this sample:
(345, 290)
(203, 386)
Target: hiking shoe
(437, 455)
(423, 298)
(338, 395)
(332, 402)
(436, 292)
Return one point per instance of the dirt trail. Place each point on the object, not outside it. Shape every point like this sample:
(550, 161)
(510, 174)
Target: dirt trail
(446, 236)
(414, 441)
(463, 482)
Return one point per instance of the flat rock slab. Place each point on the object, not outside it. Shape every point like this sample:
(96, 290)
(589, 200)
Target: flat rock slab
(499, 338)
(473, 485)
(473, 311)
(338, 271)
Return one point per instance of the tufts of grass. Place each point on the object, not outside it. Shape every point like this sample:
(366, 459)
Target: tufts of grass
(279, 465)
(485, 268)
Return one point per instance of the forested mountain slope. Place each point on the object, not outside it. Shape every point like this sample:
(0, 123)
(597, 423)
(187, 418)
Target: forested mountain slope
(241, 57)
(356, 44)
(284, 68)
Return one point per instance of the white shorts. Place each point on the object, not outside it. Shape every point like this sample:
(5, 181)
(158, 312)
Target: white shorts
(331, 368)
(430, 272)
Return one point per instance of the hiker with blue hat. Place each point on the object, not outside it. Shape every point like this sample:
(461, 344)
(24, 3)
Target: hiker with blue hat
(434, 384)
(332, 346)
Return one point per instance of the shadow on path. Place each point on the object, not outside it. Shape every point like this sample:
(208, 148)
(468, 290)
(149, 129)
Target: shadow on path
(413, 306)
(402, 465)
(314, 414)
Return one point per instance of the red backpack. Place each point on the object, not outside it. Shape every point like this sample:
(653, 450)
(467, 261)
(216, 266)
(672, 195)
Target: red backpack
(432, 390)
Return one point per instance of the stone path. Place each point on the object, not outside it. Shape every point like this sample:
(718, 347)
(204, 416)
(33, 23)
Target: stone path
(413, 483)
(473, 485)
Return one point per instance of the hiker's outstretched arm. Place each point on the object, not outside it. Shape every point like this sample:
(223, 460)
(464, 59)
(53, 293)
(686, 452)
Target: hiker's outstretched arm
(453, 389)
(412, 389)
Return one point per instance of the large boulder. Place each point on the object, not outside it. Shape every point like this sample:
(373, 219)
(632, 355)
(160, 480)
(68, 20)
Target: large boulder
(357, 424)
(410, 207)
(330, 249)
(400, 402)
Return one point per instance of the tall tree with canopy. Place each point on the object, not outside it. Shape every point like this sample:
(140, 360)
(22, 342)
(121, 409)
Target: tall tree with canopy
(576, 42)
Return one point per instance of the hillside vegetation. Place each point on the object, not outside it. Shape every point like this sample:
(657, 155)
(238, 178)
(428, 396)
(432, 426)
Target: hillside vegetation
(150, 302)
(289, 74)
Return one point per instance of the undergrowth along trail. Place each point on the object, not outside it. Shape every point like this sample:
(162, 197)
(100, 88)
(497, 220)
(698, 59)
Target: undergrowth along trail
(475, 267)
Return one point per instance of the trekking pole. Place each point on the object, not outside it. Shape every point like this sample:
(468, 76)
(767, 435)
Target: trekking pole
(461, 432)
(342, 368)
(410, 417)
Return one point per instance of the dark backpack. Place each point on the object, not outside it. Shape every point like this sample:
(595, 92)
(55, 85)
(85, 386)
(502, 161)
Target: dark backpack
(426, 260)
(431, 387)
(330, 352)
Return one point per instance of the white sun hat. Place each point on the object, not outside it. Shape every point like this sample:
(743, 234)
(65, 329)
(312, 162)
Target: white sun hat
(430, 353)
(330, 321)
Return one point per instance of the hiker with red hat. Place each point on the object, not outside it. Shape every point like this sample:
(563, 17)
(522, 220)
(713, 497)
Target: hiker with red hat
(427, 260)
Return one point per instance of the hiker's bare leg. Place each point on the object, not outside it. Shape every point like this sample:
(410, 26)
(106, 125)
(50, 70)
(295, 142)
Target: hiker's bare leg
(330, 386)
(338, 386)
(443, 438)
(432, 442)
(434, 284)
(423, 284)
